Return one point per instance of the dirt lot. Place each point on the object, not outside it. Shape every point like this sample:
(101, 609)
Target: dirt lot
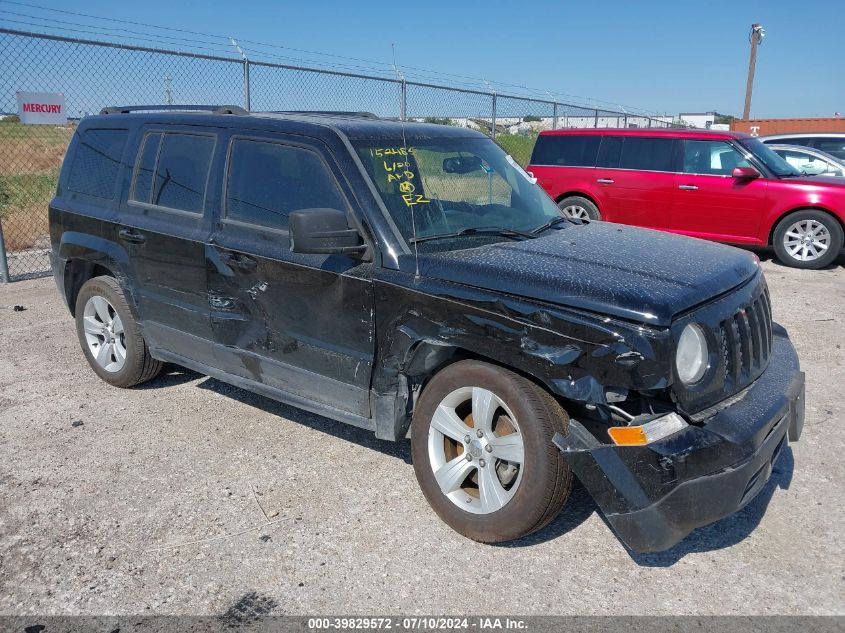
(156, 503)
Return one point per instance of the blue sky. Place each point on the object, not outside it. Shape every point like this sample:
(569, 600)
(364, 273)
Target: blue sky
(660, 56)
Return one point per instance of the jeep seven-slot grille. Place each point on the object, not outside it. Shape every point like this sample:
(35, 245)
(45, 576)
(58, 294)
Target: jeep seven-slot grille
(747, 340)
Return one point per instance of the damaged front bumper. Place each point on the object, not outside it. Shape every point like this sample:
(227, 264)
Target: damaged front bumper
(654, 495)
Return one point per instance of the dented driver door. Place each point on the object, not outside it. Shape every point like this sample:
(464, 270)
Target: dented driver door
(299, 324)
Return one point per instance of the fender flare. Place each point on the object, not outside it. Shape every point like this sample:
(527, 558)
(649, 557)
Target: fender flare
(96, 251)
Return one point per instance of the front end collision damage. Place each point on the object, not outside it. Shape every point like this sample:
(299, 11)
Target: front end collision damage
(654, 495)
(651, 495)
(575, 355)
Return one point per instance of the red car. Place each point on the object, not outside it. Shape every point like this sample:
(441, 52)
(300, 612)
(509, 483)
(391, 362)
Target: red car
(723, 186)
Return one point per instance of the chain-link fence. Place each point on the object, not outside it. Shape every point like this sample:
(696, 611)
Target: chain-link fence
(94, 74)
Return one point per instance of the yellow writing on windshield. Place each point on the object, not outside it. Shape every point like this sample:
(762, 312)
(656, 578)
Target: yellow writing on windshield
(401, 172)
(392, 151)
(411, 199)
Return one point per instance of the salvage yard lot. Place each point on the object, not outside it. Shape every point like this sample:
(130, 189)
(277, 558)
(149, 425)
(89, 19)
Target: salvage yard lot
(191, 496)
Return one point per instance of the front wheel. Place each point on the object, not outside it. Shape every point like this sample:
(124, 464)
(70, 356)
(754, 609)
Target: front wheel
(481, 443)
(807, 239)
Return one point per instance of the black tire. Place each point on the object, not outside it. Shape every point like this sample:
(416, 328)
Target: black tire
(138, 366)
(828, 221)
(588, 206)
(546, 479)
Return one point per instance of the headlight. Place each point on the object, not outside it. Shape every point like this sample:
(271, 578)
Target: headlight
(691, 357)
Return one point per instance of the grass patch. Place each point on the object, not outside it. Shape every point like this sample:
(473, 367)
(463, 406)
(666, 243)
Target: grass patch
(24, 200)
(20, 190)
(517, 145)
(48, 134)
(30, 159)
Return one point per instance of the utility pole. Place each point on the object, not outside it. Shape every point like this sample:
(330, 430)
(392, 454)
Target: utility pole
(168, 93)
(755, 37)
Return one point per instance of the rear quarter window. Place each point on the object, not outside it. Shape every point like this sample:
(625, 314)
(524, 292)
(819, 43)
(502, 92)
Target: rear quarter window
(96, 162)
(566, 150)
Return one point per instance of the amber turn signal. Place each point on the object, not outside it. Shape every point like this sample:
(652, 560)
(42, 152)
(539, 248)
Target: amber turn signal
(648, 432)
(627, 435)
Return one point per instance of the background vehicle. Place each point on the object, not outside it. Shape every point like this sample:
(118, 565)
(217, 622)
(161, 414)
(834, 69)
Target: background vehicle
(831, 143)
(809, 161)
(393, 275)
(722, 186)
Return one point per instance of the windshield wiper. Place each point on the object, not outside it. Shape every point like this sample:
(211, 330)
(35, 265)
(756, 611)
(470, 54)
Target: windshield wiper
(471, 230)
(554, 222)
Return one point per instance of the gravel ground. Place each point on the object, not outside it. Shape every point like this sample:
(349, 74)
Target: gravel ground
(156, 502)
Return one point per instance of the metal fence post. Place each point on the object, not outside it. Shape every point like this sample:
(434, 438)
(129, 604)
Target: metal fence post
(4, 264)
(554, 116)
(247, 98)
(596, 121)
(493, 120)
(403, 101)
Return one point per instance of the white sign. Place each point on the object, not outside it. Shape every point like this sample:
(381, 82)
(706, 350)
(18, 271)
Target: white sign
(42, 108)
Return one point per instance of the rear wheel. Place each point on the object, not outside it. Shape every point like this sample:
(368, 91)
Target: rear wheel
(110, 338)
(481, 443)
(807, 239)
(579, 208)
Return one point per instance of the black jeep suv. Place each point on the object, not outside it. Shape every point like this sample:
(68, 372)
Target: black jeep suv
(412, 279)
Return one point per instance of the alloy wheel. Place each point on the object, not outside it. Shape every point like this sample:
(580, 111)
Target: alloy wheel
(104, 334)
(575, 211)
(476, 450)
(807, 240)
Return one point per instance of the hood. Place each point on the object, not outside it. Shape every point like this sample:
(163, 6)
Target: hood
(636, 274)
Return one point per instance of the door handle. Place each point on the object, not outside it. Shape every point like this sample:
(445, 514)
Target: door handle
(131, 235)
(241, 262)
(688, 187)
(605, 181)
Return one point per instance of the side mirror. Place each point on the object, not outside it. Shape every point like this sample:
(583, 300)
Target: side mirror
(462, 164)
(324, 232)
(745, 173)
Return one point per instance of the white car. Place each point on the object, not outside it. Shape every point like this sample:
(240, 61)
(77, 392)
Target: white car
(810, 161)
(832, 143)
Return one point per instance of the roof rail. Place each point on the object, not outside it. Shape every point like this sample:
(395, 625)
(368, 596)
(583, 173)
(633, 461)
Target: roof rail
(363, 115)
(213, 109)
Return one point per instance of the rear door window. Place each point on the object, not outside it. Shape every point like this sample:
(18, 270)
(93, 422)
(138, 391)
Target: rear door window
(610, 150)
(647, 154)
(796, 140)
(143, 185)
(96, 162)
(172, 170)
(267, 180)
(833, 146)
(568, 150)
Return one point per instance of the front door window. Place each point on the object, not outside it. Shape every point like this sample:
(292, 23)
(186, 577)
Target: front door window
(711, 158)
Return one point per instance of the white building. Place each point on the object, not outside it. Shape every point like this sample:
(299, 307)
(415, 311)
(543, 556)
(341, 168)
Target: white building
(703, 120)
